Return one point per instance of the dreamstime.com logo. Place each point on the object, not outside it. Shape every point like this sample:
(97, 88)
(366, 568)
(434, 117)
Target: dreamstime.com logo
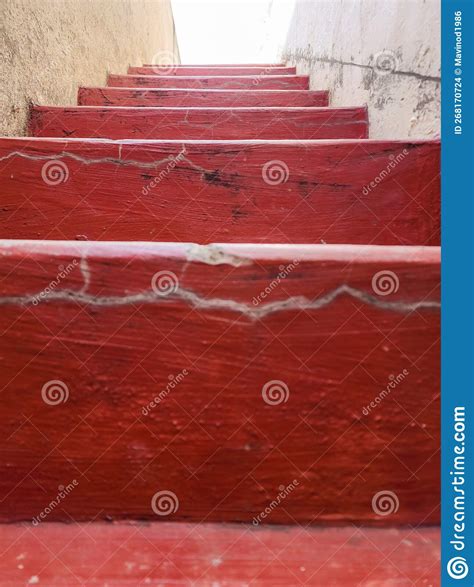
(261, 75)
(62, 274)
(275, 392)
(164, 503)
(394, 381)
(457, 567)
(284, 271)
(54, 172)
(385, 283)
(64, 491)
(393, 162)
(284, 491)
(275, 172)
(173, 160)
(385, 62)
(173, 381)
(55, 392)
(385, 503)
(164, 63)
(164, 283)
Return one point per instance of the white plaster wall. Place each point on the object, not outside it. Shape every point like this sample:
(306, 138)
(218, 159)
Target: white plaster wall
(383, 53)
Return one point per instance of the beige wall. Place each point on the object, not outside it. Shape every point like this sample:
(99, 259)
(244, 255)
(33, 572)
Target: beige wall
(384, 53)
(50, 47)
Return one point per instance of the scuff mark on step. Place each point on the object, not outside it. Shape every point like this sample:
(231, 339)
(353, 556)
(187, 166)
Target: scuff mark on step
(214, 255)
(86, 273)
(216, 178)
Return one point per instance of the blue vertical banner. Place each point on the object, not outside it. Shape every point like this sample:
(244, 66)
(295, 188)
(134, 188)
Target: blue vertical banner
(457, 354)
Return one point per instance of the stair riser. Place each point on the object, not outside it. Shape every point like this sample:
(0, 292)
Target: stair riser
(283, 82)
(199, 124)
(226, 65)
(200, 98)
(220, 192)
(217, 438)
(172, 70)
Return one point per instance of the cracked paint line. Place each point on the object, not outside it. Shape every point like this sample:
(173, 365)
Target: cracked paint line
(188, 296)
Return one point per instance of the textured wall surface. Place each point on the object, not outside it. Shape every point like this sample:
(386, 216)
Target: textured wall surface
(385, 53)
(49, 47)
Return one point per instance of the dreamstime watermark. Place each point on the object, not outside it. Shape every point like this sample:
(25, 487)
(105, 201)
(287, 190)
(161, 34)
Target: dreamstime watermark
(394, 161)
(164, 283)
(164, 503)
(385, 282)
(54, 172)
(173, 381)
(55, 392)
(385, 62)
(284, 271)
(395, 380)
(164, 63)
(385, 503)
(173, 160)
(275, 392)
(62, 274)
(284, 491)
(256, 81)
(64, 491)
(457, 566)
(275, 172)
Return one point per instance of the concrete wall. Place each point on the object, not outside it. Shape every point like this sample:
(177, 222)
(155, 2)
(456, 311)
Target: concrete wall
(385, 53)
(50, 47)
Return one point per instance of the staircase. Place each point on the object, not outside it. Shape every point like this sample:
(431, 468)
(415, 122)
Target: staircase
(259, 412)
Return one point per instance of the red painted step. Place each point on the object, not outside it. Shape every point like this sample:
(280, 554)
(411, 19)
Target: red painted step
(220, 374)
(229, 82)
(214, 65)
(198, 123)
(192, 97)
(272, 191)
(206, 555)
(209, 71)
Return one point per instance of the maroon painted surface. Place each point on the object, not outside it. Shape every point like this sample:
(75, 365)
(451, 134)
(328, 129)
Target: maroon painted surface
(230, 82)
(217, 191)
(198, 123)
(213, 440)
(203, 70)
(208, 555)
(192, 97)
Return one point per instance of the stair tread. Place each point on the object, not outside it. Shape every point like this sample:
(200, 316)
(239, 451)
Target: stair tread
(207, 555)
(239, 191)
